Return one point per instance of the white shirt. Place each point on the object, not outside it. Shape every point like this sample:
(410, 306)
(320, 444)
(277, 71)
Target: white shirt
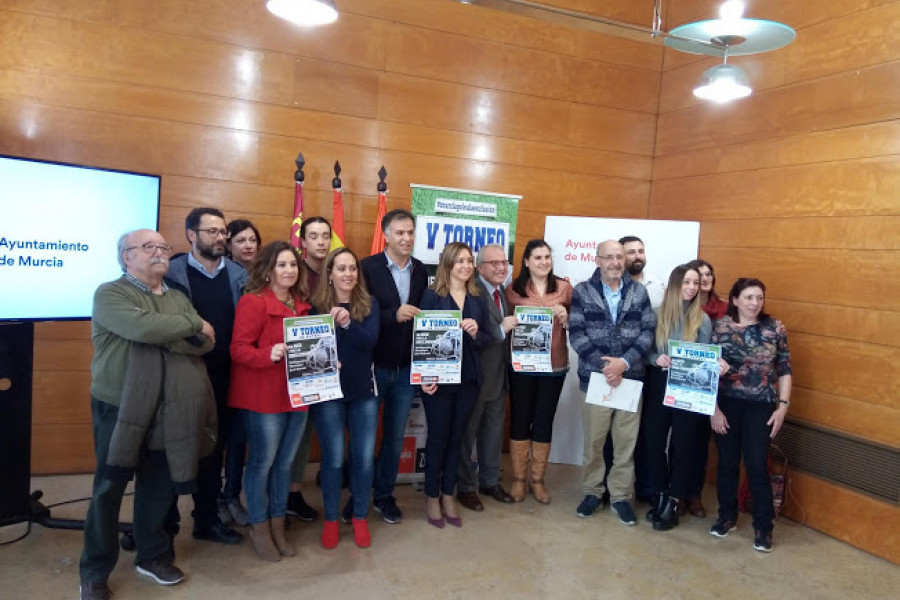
(656, 288)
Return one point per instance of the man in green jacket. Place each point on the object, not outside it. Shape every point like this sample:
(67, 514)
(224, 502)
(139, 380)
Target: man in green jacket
(136, 308)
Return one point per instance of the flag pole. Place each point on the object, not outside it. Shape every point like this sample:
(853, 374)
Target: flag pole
(378, 235)
(298, 201)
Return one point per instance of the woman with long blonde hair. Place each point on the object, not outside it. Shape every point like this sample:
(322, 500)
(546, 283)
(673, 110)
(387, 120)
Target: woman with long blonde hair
(680, 317)
(449, 406)
(342, 294)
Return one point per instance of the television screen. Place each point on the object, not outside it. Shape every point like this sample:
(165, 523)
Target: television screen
(59, 225)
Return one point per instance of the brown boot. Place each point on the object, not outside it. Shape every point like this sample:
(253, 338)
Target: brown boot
(284, 546)
(261, 537)
(518, 451)
(540, 455)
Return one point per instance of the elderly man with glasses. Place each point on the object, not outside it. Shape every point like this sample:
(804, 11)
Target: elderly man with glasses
(136, 320)
(214, 284)
(485, 428)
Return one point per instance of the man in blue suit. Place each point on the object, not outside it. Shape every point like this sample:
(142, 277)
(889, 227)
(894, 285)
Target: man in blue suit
(397, 281)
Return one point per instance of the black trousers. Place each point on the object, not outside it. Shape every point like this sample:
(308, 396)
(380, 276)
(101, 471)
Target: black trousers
(447, 413)
(748, 436)
(532, 406)
(672, 440)
(153, 494)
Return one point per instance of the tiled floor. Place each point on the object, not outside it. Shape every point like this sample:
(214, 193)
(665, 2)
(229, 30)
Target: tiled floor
(507, 551)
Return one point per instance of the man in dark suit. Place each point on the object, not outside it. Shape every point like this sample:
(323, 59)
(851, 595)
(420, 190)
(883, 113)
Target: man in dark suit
(485, 430)
(397, 281)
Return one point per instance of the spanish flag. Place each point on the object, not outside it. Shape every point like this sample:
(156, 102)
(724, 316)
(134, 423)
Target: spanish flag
(337, 209)
(298, 203)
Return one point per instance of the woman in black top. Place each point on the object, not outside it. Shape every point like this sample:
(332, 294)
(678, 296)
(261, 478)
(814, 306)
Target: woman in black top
(449, 406)
(342, 293)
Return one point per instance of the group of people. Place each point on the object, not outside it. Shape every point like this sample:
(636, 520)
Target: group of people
(218, 311)
(622, 320)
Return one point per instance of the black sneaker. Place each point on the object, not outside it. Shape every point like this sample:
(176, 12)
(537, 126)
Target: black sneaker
(217, 532)
(589, 506)
(388, 509)
(297, 506)
(722, 527)
(762, 541)
(624, 511)
(347, 513)
(161, 572)
(94, 591)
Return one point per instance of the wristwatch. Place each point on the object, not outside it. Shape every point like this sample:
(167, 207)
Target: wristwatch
(785, 402)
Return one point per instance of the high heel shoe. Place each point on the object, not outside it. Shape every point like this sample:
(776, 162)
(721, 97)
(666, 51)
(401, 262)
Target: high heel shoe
(455, 521)
(439, 523)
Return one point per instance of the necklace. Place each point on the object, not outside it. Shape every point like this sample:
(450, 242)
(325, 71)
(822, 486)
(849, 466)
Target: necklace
(289, 302)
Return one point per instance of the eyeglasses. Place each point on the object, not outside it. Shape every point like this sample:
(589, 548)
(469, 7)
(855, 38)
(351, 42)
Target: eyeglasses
(213, 232)
(496, 263)
(151, 248)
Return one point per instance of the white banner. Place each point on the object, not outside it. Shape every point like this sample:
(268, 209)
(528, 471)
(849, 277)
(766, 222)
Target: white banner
(433, 233)
(574, 242)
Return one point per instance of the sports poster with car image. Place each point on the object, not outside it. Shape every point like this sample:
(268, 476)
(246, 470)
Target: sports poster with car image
(437, 347)
(693, 381)
(312, 360)
(531, 340)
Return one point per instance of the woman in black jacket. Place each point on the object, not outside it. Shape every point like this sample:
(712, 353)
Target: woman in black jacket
(449, 406)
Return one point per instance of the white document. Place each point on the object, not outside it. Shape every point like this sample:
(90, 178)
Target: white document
(627, 396)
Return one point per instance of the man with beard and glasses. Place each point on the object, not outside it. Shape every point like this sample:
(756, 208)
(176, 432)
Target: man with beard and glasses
(635, 261)
(214, 284)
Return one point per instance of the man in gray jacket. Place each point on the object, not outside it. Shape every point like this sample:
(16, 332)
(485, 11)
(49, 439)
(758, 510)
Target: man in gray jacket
(136, 308)
(611, 328)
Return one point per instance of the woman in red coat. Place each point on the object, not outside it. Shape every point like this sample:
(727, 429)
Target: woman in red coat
(277, 289)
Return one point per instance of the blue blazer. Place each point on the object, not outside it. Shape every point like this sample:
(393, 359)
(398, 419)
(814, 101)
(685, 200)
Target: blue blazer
(475, 307)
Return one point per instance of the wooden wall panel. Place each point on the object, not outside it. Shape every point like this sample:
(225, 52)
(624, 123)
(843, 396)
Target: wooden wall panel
(797, 185)
(865, 420)
(836, 277)
(863, 141)
(862, 233)
(449, 58)
(432, 103)
(63, 448)
(854, 188)
(826, 506)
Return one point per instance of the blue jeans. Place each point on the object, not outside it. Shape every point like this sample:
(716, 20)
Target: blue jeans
(360, 418)
(273, 439)
(397, 393)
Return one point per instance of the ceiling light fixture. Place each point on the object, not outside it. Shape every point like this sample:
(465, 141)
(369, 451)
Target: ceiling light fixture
(723, 83)
(306, 13)
(729, 35)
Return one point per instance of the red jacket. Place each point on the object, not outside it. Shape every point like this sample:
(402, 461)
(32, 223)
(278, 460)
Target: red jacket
(257, 383)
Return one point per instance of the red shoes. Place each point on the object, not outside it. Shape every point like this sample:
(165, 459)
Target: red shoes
(330, 535)
(361, 533)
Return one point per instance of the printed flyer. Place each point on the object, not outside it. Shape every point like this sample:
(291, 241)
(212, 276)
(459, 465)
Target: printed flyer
(531, 340)
(311, 360)
(693, 377)
(437, 347)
